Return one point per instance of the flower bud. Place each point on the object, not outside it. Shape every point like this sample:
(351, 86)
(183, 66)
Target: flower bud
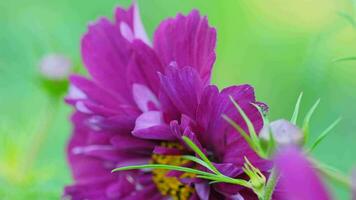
(55, 67)
(283, 132)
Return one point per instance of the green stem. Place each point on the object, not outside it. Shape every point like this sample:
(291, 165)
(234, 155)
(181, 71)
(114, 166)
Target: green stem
(271, 184)
(332, 173)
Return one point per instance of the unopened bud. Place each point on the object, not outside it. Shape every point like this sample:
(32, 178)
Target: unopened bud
(257, 179)
(55, 67)
(283, 132)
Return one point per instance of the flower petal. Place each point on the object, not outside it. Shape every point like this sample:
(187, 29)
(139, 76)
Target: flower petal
(219, 134)
(187, 40)
(130, 20)
(106, 54)
(144, 66)
(144, 98)
(150, 125)
(298, 180)
(183, 87)
(203, 190)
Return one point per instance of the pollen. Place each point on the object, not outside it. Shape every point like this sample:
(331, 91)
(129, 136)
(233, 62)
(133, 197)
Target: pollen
(171, 185)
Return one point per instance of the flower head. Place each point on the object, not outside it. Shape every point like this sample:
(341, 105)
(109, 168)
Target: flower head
(139, 102)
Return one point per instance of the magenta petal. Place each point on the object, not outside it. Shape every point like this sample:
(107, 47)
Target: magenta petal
(150, 125)
(106, 55)
(159, 132)
(130, 23)
(80, 162)
(93, 190)
(149, 119)
(216, 132)
(177, 131)
(170, 112)
(94, 92)
(298, 179)
(228, 169)
(236, 151)
(144, 66)
(183, 87)
(130, 143)
(144, 98)
(203, 190)
(188, 41)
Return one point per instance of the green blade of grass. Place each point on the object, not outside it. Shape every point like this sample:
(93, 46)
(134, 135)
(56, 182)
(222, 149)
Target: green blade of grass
(161, 166)
(296, 109)
(349, 58)
(251, 128)
(197, 160)
(324, 134)
(307, 120)
(240, 130)
(271, 144)
(197, 150)
(225, 179)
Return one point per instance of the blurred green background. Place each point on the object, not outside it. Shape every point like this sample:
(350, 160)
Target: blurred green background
(280, 47)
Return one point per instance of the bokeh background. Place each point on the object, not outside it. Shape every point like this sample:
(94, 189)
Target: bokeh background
(280, 47)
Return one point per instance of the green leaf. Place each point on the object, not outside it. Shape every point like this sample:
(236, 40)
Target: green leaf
(296, 109)
(324, 134)
(251, 128)
(197, 160)
(349, 58)
(332, 173)
(226, 179)
(241, 131)
(161, 166)
(197, 150)
(200, 174)
(271, 144)
(307, 120)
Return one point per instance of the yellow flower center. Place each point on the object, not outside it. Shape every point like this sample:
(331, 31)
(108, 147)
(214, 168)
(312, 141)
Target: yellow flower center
(169, 185)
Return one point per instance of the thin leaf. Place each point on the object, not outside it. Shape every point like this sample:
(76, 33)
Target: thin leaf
(307, 120)
(241, 131)
(324, 134)
(200, 174)
(161, 166)
(349, 58)
(247, 120)
(197, 150)
(271, 144)
(226, 179)
(197, 160)
(296, 109)
(251, 128)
